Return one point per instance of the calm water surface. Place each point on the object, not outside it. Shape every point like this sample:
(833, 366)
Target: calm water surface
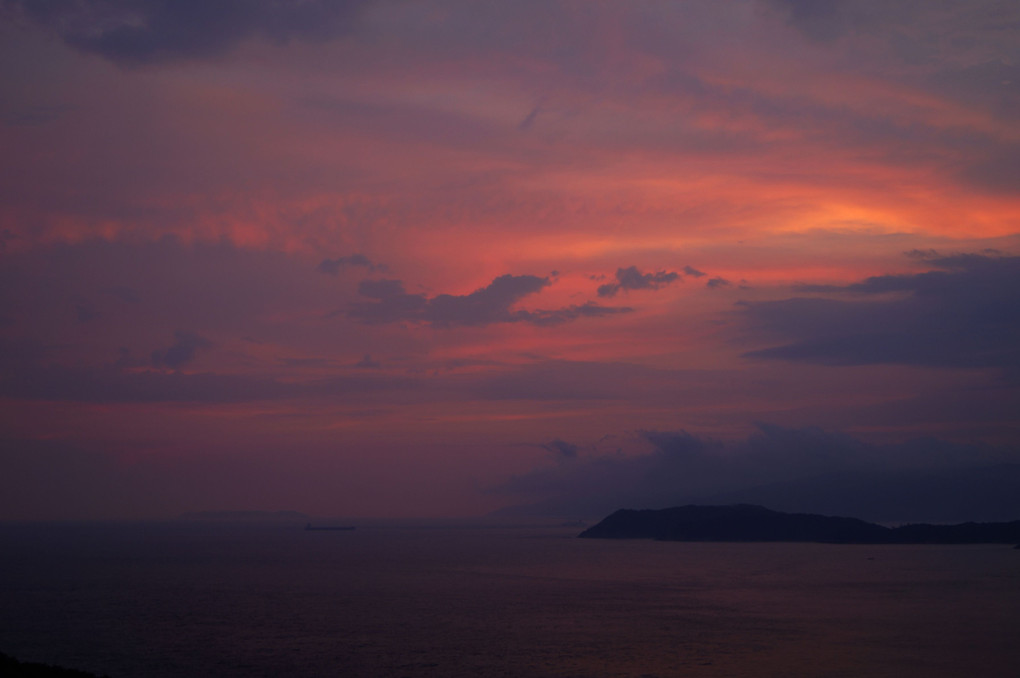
(185, 601)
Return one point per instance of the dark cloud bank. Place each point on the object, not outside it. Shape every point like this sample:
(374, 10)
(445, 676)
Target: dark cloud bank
(134, 32)
(966, 313)
(390, 302)
(807, 470)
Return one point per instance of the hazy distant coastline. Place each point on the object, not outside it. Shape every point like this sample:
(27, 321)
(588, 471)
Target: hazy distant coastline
(749, 523)
(246, 516)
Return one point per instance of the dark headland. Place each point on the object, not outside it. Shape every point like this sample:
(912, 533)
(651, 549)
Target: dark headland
(12, 668)
(747, 523)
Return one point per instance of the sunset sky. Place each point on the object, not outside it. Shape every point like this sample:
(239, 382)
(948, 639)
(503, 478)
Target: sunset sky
(422, 258)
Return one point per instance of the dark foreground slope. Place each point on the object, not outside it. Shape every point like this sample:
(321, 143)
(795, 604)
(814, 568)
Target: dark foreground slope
(744, 522)
(12, 668)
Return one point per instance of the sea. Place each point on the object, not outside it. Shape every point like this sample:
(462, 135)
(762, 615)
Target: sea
(178, 600)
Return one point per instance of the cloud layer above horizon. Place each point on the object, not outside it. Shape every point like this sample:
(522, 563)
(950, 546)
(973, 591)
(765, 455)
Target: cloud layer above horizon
(379, 257)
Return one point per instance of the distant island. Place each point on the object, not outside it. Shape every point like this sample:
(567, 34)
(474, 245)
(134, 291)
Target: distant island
(748, 523)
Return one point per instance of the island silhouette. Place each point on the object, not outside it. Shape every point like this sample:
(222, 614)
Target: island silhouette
(750, 523)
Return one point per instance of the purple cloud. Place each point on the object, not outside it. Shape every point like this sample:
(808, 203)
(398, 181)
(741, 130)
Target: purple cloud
(334, 266)
(134, 32)
(485, 306)
(181, 352)
(631, 278)
(966, 313)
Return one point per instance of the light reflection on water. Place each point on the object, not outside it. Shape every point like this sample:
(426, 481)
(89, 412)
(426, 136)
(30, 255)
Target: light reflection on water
(176, 601)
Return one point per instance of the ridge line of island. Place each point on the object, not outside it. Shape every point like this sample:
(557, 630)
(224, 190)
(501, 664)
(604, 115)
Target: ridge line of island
(749, 523)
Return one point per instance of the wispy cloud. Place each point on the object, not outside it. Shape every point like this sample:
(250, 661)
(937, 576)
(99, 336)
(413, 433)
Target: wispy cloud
(335, 266)
(488, 305)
